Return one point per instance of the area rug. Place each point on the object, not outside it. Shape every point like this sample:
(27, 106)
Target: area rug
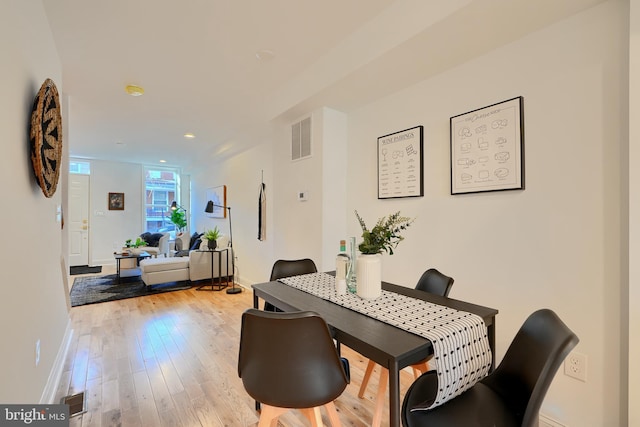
(94, 289)
(84, 269)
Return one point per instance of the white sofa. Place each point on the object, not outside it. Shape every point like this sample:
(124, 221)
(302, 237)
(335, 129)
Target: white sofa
(196, 266)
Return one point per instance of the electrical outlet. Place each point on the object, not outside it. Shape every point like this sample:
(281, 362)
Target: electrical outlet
(575, 365)
(37, 352)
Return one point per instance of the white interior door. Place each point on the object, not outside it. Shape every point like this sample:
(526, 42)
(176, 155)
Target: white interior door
(78, 219)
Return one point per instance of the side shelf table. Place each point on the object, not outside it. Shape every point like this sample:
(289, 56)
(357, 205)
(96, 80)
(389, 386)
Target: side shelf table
(132, 271)
(216, 282)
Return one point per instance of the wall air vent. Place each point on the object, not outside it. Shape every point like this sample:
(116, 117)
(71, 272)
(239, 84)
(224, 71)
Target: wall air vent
(301, 139)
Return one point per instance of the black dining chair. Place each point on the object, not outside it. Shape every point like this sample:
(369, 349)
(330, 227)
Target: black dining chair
(508, 397)
(288, 361)
(286, 268)
(435, 282)
(431, 281)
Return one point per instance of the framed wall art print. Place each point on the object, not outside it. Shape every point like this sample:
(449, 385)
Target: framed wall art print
(400, 164)
(218, 195)
(487, 148)
(116, 201)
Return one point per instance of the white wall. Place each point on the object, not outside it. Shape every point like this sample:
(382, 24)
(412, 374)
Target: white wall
(556, 244)
(295, 229)
(299, 233)
(33, 304)
(242, 175)
(633, 330)
(110, 229)
(335, 167)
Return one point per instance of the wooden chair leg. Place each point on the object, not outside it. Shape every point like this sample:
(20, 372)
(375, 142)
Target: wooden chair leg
(334, 419)
(419, 369)
(365, 378)
(269, 415)
(380, 397)
(313, 415)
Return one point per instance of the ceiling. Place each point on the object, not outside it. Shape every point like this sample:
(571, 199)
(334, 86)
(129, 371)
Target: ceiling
(196, 60)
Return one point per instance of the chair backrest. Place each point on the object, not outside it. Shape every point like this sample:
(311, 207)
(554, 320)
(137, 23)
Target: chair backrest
(434, 282)
(163, 244)
(289, 360)
(287, 268)
(530, 363)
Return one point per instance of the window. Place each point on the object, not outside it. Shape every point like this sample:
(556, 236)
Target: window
(161, 188)
(79, 167)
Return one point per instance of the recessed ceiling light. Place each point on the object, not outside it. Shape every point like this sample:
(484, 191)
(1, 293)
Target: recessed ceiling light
(163, 161)
(134, 90)
(265, 55)
(120, 143)
(189, 135)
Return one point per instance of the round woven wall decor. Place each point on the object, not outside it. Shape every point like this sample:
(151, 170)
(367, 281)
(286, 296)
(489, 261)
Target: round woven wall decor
(46, 137)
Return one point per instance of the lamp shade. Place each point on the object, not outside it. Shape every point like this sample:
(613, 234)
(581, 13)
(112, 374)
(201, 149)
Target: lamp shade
(174, 205)
(209, 208)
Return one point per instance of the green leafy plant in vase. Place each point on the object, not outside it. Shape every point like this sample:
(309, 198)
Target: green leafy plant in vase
(139, 242)
(178, 218)
(129, 244)
(212, 236)
(383, 237)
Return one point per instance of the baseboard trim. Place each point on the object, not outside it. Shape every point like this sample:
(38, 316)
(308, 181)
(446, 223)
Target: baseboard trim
(546, 421)
(49, 392)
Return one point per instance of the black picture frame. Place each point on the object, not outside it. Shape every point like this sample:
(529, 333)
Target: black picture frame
(116, 201)
(487, 148)
(401, 164)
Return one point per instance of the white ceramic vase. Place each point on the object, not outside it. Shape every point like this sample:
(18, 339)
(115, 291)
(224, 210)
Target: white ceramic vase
(369, 276)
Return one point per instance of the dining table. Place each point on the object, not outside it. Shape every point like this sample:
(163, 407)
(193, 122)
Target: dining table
(385, 344)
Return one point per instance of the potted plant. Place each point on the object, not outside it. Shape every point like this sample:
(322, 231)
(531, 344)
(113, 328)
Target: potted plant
(383, 237)
(212, 236)
(131, 246)
(178, 218)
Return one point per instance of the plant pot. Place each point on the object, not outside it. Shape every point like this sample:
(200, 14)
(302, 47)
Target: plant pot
(369, 276)
(212, 244)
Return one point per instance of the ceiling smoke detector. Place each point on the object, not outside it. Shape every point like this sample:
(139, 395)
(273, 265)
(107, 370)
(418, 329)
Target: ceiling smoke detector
(265, 55)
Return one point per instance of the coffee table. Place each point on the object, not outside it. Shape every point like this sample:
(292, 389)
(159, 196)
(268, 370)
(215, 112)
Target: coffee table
(129, 272)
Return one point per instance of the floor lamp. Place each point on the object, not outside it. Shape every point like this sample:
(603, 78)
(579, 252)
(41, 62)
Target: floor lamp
(209, 209)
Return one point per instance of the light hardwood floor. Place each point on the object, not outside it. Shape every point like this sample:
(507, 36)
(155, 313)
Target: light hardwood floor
(171, 360)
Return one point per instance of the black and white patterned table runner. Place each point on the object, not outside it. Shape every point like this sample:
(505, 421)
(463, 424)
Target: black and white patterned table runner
(460, 344)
